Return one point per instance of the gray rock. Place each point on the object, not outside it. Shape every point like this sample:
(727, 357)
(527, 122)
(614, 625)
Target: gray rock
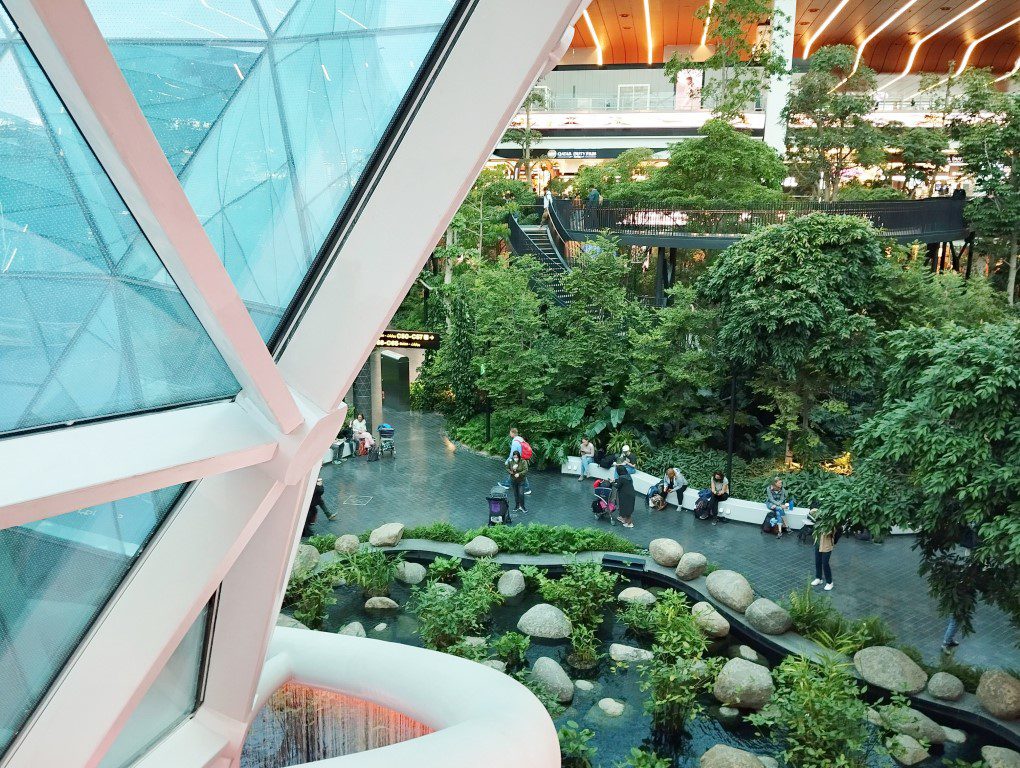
(768, 762)
(496, 664)
(481, 546)
(721, 756)
(999, 694)
(283, 620)
(326, 559)
(305, 560)
(511, 583)
(954, 735)
(628, 653)
(743, 684)
(666, 552)
(906, 750)
(473, 641)
(347, 543)
(890, 668)
(636, 595)
(545, 621)
(910, 722)
(691, 566)
(748, 653)
(725, 711)
(386, 535)
(611, 707)
(731, 589)
(1000, 757)
(551, 676)
(943, 685)
(354, 629)
(584, 685)
(379, 627)
(709, 620)
(448, 589)
(767, 617)
(410, 573)
(381, 604)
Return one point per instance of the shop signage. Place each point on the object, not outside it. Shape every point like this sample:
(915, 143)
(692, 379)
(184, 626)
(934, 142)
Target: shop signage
(572, 154)
(409, 340)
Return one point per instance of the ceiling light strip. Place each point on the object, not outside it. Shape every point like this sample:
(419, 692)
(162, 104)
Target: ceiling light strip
(708, 20)
(591, 31)
(966, 57)
(1016, 68)
(648, 31)
(878, 30)
(917, 46)
(826, 23)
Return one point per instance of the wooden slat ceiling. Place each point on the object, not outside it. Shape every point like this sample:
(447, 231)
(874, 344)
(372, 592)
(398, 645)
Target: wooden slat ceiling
(620, 27)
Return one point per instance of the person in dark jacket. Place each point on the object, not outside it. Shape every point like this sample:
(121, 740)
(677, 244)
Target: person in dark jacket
(318, 502)
(518, 469)
(624, 485)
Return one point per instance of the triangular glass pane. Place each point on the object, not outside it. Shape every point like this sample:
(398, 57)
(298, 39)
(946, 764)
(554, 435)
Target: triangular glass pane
(67, 323)
(340, 17)
(275, 11)
(182, 89)
(177, 20)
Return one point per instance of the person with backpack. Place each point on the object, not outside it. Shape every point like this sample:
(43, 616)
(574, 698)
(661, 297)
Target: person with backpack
(826, 536)
(624, 464)
(624, 485)
(517, 466)
(518, 445)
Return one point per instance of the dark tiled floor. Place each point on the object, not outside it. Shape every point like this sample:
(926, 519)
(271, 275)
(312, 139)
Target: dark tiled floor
(433, 479)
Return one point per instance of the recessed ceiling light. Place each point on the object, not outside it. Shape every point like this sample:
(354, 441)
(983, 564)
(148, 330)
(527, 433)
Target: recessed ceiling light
(945, 8)
(624, 15)
(804, 23)
(812, 10)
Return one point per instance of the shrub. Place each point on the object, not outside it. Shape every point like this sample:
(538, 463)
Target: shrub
(370, 569)
(582, 593)
(445, 569)
(574, 747)
(322, 541)
(511, 648)
(817, 714)
(552, 706)
(445, 618)
(673, 687)
(584, 647)
(814, 617)
(640, 758)
(436, 532)
(310, 595)
(638, 619)
(536, 538)
(471, 651)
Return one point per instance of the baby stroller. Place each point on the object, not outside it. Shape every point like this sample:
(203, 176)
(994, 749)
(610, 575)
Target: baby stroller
(386, 442)
(499, 507)
(605, 502)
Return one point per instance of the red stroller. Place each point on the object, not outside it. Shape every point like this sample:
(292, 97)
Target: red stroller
(604, 505)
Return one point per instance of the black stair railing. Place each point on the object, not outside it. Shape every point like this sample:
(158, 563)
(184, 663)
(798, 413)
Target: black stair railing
(522, 243)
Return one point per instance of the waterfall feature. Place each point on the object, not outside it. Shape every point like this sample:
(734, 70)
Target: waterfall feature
(301, 724)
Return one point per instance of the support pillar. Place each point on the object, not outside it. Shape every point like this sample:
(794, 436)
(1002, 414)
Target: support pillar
(375, 377)
(779, 85)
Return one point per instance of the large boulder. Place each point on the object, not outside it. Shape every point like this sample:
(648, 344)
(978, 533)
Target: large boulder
(611, 707)
(481, 546)
(347, 544)
(666, 552)
(353, 629)
(731, 589)
(550, 675)
(283, 620)
(305, 560)
(545, 621)
(913, 723)
(636, 595)
(721, 756)
(743, 684)
(410, 573)
(386, 535)
(906, 750)
(1000, 757)
(767, 617)
(511, 583)
(381, 604)
(628, 653)
(890, 668)
(691, 566)
(945, 686)
(999, 694)
(709, 620)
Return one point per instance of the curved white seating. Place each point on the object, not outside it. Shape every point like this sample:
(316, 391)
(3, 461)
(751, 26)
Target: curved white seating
(480, 716)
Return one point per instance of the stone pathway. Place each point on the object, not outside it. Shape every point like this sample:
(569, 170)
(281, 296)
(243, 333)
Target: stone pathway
(432, 479)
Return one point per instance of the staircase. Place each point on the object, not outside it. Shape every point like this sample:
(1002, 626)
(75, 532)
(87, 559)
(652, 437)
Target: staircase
(535, 239)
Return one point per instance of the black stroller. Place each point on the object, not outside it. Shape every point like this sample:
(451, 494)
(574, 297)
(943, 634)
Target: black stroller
(499, 507)
(605, 502)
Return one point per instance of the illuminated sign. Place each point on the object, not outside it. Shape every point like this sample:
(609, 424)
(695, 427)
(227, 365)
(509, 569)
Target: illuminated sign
(409, 340)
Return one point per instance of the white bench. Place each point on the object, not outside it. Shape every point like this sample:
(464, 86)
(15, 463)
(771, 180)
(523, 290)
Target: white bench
(738, 510)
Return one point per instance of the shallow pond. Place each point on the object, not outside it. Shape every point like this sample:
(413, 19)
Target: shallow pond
(614, 736)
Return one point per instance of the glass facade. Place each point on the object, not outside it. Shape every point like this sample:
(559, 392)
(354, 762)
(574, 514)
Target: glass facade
(55, 577)
(91, 324)
(269, 112)
(173, 696)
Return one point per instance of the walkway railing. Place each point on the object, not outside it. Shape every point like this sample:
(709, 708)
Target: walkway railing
(928, 221)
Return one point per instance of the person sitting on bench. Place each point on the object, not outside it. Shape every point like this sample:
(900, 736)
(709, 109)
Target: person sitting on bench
(672, 480)
(778, 502)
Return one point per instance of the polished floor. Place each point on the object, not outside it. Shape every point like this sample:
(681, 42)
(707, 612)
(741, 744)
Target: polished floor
(431, 479)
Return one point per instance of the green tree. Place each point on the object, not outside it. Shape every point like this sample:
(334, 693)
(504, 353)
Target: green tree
(794, 303)
(738, 69)
(827, 112)
(989, 142)
(618, 173)
(724, 166)
(527, 137)
(923, 153)
(940, 457)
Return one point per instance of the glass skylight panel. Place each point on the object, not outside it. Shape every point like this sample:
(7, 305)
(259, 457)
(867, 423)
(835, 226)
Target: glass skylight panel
(81, 335)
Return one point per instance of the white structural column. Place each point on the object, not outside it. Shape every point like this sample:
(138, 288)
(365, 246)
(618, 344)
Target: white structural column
(65, 39)
(779, 85)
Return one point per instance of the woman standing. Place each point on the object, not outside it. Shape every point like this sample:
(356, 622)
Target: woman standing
(518, 469)
(825, 541)
(624, 484)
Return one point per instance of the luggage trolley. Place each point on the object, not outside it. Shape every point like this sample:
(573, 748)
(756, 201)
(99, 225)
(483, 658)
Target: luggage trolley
(386, 442)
